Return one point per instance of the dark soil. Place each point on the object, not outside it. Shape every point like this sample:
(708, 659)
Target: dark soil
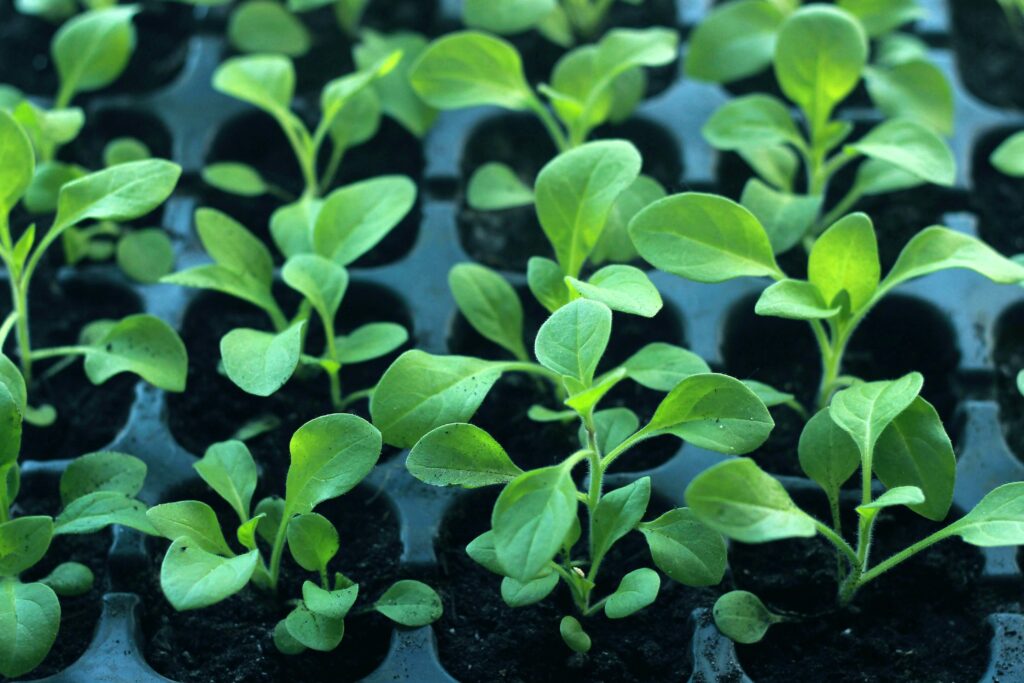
(999, 199)
(79, 615)
(232, 641)
(1009, 359)
(255, 139)
(481, 639)
(989, 52)
(507, 239)
(88, 416)
(537, 444)
(214, 409)
(898, 628)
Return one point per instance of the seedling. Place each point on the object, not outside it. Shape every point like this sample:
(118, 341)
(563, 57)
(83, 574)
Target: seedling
(589, 86)
(349, 222)
(535, 523)
(142, 344)
(820, 57)
(560, 21)
(96, 490)
(707, 238)
(887, 431)
(329, 457)
(1008, 157)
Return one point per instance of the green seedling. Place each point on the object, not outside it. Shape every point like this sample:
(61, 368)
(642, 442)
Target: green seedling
(561, 21)
(142, 344)
(329, 457)
(536, 535)
(884, 429)
(707, 238)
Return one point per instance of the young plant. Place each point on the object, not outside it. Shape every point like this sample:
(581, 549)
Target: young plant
(590, 86)
(536, 540)
(561, 21)
(887, 431)
(820, 56)
(707, 238)
(142, 344)
(329, 457)
(349, 223)
(96, 490)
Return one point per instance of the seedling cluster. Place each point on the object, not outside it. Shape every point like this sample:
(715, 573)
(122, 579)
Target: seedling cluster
(795, 79)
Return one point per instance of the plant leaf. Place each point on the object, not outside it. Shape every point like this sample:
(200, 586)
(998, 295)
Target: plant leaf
(865, 410)
(322, 282)
(496, 186)
(102, 471)
(572, 341)
(264, 81)
(622, 288)
(228, 468)
(29, 621)
(998, 519)
(937, 248)
(192, 520)
(264, 26)
(912, 148)
(490, 305)
(737, 39)
(742, 617)
(355, 218)
(410, 603)
(460, 455)
(17, 161)
(619, 512)
(751, 121)
(370, 341)
(141, 344)
(23, 542)
(192, 578)
(330, 455)
(845, 259)
(795, 300)
(312, 541)
(92, 49)
(828, 454)
(520, 594)
(685, 549)
(120, 193)
(258, 362)
(662, 366)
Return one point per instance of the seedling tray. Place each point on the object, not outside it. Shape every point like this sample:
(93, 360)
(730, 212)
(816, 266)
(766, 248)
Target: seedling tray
(956, 318)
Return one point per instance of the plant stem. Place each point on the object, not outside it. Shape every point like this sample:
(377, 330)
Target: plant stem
(278, 549)
(546, 118)
(5, 329)
(357, 396)
(20, 303)
(593, 498)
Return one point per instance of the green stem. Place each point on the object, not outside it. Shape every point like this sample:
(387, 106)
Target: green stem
(593, 498)
(839, 210)
(5, 329)
(546, 118)
(278, 549)
(19, 300)
(529, 368)
(337, 154)
(357, 396)
(59, 351)
(837, 526)
(838, 541)
(906, 554)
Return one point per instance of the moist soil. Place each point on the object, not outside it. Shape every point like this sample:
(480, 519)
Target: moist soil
(482, 640)
(924, 621)
(989, 52)
(1009, 359)
(232, 642)
(88, 416)
(214, 409)
(999, 198)
(507, 239)
(79, 615)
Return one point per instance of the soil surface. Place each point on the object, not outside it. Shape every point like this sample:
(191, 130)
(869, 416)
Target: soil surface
(896, 629)
(214, 408)
(88, 416)
(989, 52)
(482, 640)
(1009, 358)
(232, 642)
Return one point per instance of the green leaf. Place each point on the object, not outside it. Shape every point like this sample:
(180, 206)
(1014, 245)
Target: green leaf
(737, 39)
(96, 511)
(235, 178)
(662, 366)
(637, 590)
(103, 471)
(192, 578)
(285, 642)
(122, 150)
(141, 344)
(192, 520)
(911, 147)
(504, 17)
(615, 243)
(819, 59)
(576, 192)
(69, 579)
(685, 549)
(266, 26)
(519, 594)
(23, 542)
(496, 186)
(91, 50)
(355, 218)
(547, 283)
(29, 621)
(796, 300)
(460, 455)
(914, 450)
(716, 412)
(490, 305)
(751, 121)
(619, 512)
(875, 177)
(883, 16)
(50, 176)
(742, 617)
(420, 392)
(776, 165)
(703, 237)
(228, 469)
(145, 255)
(468, 69)
(272, 509)
(531, 518)
(844, 260)
(786, 217)
(937, 248)
(737, 499)
(900, 495)
(865, 410)
(410, 603)
(258, 362)
(572, 341)
(998, 519)
(481, 550)
(322, 282)
(330, 455)
(265, 81)
(246, 532)
(828, 455)
(394, 91)
(916, 90)
(312, 541)
(17, 161)
(335, 604)
(622, 288)
(1009, 155)
(314, 631)
(370, 341)
(613, 426)
(120, 193)
(573, 634)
